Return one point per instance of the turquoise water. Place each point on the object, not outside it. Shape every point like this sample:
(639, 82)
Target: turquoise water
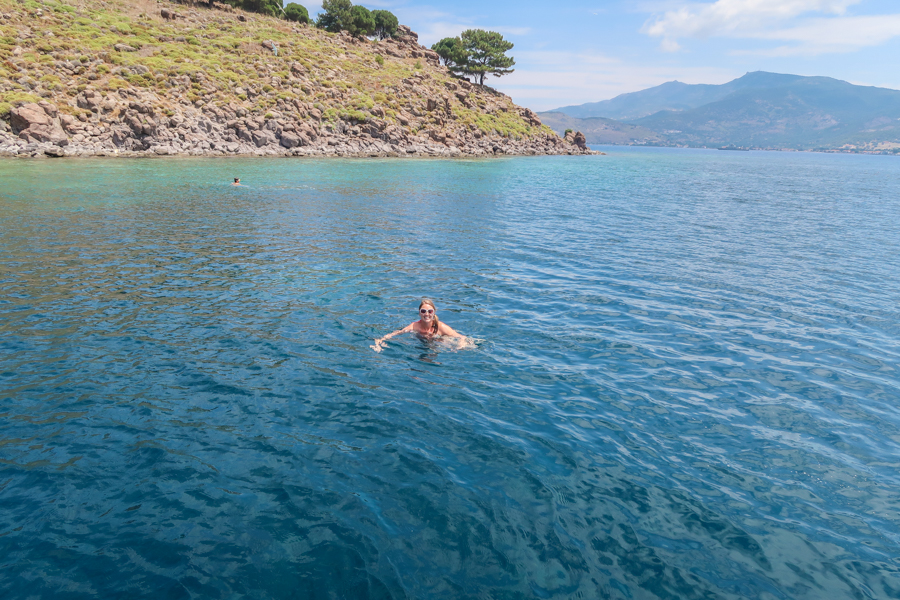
(684, 382)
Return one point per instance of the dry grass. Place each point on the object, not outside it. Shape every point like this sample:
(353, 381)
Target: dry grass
(219, 53)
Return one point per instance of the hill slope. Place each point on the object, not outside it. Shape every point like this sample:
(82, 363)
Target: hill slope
(81, 77)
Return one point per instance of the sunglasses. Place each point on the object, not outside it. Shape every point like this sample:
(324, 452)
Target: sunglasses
(426, 311)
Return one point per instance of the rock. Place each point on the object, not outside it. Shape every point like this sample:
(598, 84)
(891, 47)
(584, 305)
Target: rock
(532, 118)
(124, 48)
(119, 136)
(263, 137)
(70, 123)
(168, 14)
(579, 140)
(32, 123)
(49, 109)
(405, 33)
(289, 140)
(134, 123)
(54, 152)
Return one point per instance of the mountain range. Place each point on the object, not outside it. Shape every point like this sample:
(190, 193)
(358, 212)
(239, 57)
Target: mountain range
(760, 110)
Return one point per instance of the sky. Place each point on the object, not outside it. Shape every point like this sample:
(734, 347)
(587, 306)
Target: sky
(583, 51)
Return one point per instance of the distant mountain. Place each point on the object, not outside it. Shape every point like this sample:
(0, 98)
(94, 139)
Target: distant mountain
(672, 95)
(598, 130)
(808, 112)
(761, 110)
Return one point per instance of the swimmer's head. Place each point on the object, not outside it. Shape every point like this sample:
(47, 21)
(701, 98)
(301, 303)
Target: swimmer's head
(237, 179)
(428, 314)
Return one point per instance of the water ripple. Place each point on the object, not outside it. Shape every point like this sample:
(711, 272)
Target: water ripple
(684, 383)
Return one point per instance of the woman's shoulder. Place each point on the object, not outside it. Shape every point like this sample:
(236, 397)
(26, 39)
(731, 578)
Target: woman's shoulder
(444, 329)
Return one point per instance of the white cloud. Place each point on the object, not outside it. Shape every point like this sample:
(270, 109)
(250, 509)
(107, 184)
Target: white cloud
(808, 26)
(735, 16)
(554, 79)
(839, 34)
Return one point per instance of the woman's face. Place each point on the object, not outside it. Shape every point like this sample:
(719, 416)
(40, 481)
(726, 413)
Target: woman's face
(426, 313)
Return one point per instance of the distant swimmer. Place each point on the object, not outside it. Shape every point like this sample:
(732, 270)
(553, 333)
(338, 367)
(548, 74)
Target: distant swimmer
(428, 325)
(237, 181)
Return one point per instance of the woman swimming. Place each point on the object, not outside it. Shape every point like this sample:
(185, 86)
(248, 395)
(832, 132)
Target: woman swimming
(428, 325)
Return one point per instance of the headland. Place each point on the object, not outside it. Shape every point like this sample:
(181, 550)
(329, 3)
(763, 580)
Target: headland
(148, 78)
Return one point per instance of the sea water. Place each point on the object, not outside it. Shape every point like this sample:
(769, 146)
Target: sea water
(682, 380)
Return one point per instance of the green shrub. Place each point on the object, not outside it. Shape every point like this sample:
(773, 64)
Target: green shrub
(335, 15)
(296, 12)
(379, 59)
(385, 24)
(361, 22)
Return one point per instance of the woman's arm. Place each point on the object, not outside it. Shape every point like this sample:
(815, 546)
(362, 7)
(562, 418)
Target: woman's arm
(379, 342)
(444, 329)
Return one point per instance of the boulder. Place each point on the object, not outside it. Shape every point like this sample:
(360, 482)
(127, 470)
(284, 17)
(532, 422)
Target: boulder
(32, 123)
(70, 123)
(119, 136)
(532, 118)
(406, 33)
(134, 123)
(289, 140)
(579, 140)
(125, 48)
(89, 99)
(263, 137)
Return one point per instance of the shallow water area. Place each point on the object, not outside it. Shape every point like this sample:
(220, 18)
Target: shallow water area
(683, 381)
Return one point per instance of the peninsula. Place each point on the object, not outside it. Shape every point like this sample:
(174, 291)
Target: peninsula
(142, 78)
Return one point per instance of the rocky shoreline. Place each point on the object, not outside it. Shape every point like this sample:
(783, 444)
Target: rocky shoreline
(124, 127)
(317, 94)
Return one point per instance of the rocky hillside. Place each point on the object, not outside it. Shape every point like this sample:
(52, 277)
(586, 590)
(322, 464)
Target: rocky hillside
(144, 77)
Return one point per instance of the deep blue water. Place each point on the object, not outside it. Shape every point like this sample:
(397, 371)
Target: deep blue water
(684, 382)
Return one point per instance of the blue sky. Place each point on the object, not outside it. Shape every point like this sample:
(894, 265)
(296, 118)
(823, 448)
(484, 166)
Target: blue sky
(584, 51)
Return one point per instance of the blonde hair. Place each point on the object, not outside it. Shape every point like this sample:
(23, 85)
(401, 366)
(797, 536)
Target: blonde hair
(435, 325)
